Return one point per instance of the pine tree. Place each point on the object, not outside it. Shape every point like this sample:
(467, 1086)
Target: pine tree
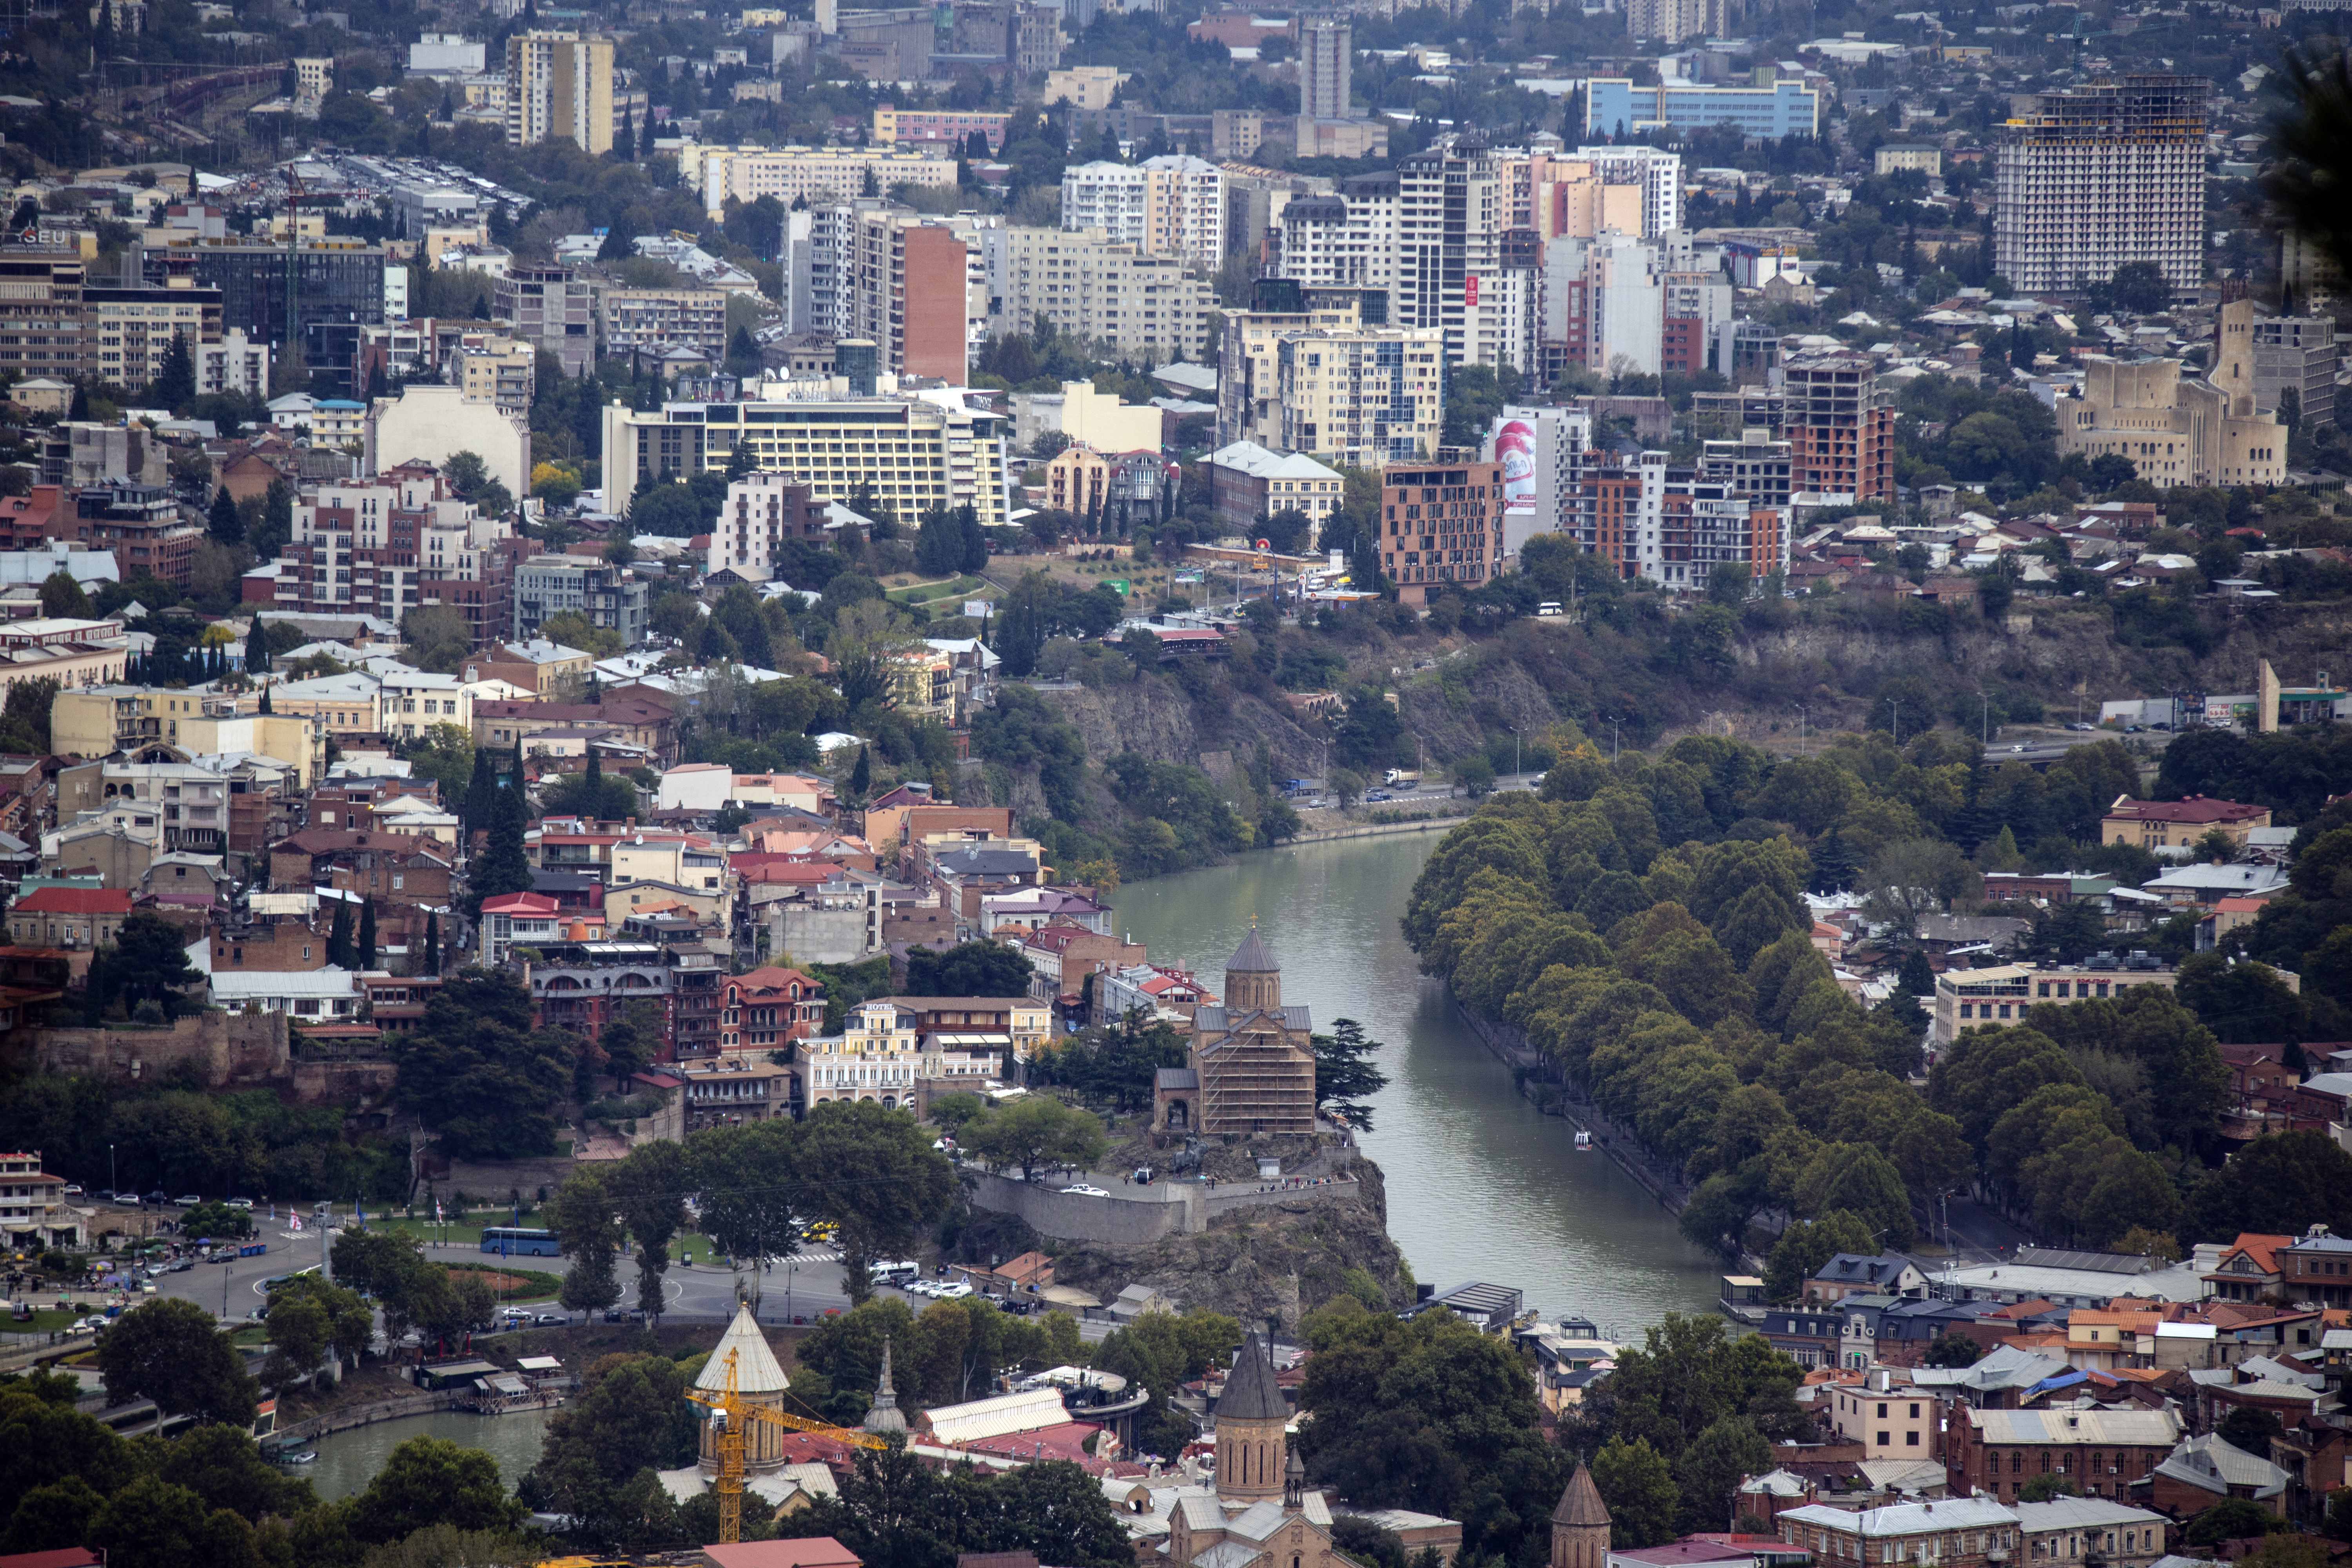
(862, 774)
(624, 140)
(226, 525)
(432, 957)
(339, 936)
(265, 700)
(80, 408)
(368, 950)
(1916, 978)
(175, 385)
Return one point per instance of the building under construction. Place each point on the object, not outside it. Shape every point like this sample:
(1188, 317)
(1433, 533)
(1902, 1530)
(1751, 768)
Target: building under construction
(2100, 176)
(1252, 1066)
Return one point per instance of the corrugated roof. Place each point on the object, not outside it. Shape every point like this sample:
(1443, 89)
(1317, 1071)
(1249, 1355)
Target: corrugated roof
(2132, 1429)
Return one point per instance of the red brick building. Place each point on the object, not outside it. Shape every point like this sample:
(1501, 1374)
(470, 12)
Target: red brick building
(2102, 1451)
(1442, 526)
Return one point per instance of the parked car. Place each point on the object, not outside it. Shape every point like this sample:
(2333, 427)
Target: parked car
(183, 1265)
(72, 1192)
(190, 1201)
(157, 1199)
(614, 1315)
(555, 1320)
(240, 1202)
(955, 1292)
(1084, 1191)
(2086, 729)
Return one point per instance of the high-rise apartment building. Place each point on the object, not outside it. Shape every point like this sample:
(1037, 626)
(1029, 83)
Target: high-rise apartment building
(40, 311)
(1169, 205)
(1096, 289)
(1344, 240)
(559, 85)
(1450, 217)
(2101, 174)
(1442, 526)
(1654, 171)
(2297, 353)
(335, 280)
(610, 596)
(1249, 361)
(1362, 396)
(130, 331)
(652, 322)
(1840, 427)
(551, 308)
(908, 288)
(1326, 59)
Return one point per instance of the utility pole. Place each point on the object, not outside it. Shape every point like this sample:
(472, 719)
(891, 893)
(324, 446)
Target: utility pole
(1984, 719)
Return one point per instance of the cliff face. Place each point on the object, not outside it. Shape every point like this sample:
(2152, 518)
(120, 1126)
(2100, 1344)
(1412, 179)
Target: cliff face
(1156, 719)
(1276, 1260)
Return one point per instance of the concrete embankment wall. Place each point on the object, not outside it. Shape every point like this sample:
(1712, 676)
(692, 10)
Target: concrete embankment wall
(1509, 1042)
(1128, 1218)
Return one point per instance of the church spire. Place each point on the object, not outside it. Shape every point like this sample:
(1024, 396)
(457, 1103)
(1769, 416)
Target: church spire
(883, 1417)
(1294, 1482)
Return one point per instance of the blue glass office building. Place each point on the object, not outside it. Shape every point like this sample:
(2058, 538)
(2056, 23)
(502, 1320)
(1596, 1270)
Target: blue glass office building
(1615, 107)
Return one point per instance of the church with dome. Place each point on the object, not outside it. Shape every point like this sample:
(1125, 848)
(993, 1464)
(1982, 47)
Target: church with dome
(1253, 1060)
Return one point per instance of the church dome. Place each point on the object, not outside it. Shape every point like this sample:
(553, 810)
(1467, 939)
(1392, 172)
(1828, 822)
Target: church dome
(757, 1371)
(1252, 958)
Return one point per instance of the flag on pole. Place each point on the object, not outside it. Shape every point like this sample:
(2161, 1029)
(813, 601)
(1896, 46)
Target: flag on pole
(296, 1221)
(437, 1211)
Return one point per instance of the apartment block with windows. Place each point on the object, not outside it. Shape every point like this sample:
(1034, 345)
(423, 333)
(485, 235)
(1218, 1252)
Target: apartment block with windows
(130, 330)
(610, 596)
(761, 513)
(1442, 526)
(1347, 239)
(913, 453)
(1840, 427)
(1095, 287)
(2101, 174)
(559, 85)
(1363, 398)
(551, 308)
(811, 173)
(652, 322)
(1170, 205)
(40, 311)
(386, 545)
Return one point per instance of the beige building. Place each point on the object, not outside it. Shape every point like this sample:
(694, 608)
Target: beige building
(129, 332)
(1084, 87)
(875, 1058)
(2177, 431)
(559, 84)
(1094, 287)
(1170, 205)
(1099, 420)
(1999, 996)
(433, 424)
(488, 367)
(791, 174)
(34, 1215)
(100, 721)
(1891, 1421)
(1892, 157)
(1363, 397)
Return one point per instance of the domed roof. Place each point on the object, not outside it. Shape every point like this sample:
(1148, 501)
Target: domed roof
(757, 1371)
(1252, 958)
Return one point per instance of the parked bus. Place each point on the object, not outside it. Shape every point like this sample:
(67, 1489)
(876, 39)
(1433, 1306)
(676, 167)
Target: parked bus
(508, 1241)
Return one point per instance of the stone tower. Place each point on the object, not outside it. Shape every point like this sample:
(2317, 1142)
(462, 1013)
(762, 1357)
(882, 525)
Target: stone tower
(884, 1418)
(1580, 1525)
(1253, 980)
(1252, 1453)
(760, 1380)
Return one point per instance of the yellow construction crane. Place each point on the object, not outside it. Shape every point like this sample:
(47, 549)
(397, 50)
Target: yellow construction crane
(732, 1416)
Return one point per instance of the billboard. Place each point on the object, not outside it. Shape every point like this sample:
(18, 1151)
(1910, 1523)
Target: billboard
(1538, 448)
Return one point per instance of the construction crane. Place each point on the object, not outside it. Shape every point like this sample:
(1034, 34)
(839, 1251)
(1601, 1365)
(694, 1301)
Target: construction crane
(730, 1418)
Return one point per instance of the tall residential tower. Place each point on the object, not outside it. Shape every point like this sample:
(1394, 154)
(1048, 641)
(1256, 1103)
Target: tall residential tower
(2103, 174)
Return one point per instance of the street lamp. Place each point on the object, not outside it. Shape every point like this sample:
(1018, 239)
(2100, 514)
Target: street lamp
(110, 1182)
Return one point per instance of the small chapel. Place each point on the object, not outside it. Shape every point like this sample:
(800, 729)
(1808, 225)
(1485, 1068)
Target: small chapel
(1253, 1060)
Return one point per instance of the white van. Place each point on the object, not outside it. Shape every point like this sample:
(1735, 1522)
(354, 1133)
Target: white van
(901, 1273)
(1549, 607)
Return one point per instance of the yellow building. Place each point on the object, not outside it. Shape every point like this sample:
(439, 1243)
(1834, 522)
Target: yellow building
(875, 1058)
(1077, 481)
(100, 721)
(559, 85)
(1099, 419)
(1084, 87)
(924, 679)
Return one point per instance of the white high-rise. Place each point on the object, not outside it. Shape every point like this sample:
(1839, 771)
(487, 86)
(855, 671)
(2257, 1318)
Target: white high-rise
(1657, 171)
(2100, 176)
(1346, 240)
(1170, 205)
(1451, 202)
(1325, 57)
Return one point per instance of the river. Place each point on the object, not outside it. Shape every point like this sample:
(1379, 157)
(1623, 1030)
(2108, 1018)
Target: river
(348, 1460)
(1480, 1186)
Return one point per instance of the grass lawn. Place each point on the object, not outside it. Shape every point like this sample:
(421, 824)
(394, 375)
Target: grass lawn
(514, 1284)
(939, 588)
(47, 1322)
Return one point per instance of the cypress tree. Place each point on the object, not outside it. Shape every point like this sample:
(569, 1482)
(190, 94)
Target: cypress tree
(480, 791)
(256, 648)
(80, 408)
(503, 868)
(339, 936)
(225, 525)
(368, 950)
(265, 700)
(432, 959)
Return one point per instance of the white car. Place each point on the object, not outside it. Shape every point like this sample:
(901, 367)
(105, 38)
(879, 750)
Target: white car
(1084, 1191)
(955, 1292)
(923, 1287)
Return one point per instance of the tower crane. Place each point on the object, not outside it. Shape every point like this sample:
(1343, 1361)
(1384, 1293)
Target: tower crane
(730, 1419)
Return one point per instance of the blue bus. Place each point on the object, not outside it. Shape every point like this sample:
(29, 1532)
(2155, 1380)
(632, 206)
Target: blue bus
(508, 1241)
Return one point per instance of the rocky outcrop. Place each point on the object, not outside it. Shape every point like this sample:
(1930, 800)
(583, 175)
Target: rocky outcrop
(1158, 720)
(1276, 1260)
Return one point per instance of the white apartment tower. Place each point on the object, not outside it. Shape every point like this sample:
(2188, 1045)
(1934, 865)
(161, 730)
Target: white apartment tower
(1170, 205)
(1450, 210)
(1324, 56)
(2103, 174)
(559, 84)
(1657, 171)
(1669, 22)
(1345, 240)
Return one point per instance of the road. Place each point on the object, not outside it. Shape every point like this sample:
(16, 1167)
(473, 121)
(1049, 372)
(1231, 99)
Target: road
(804, 1287)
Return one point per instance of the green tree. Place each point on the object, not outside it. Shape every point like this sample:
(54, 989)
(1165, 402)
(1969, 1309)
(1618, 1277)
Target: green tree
(174, 386)
(2045, 1488)
(1709, 1472)
(1034, 1133)
(2232, 1518)
(648, 1192)
(874, 1174)
(433, 1481)
(368, 951)
(972, 969)
(167, 1350)
(582, 1213)
(1345, 1075)
(1638, 1486)
(746, 1177)
(478, 1073)
(502, 868)
(1807, 1246)
(631, 1415)
(152, 960)
(62, 596)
